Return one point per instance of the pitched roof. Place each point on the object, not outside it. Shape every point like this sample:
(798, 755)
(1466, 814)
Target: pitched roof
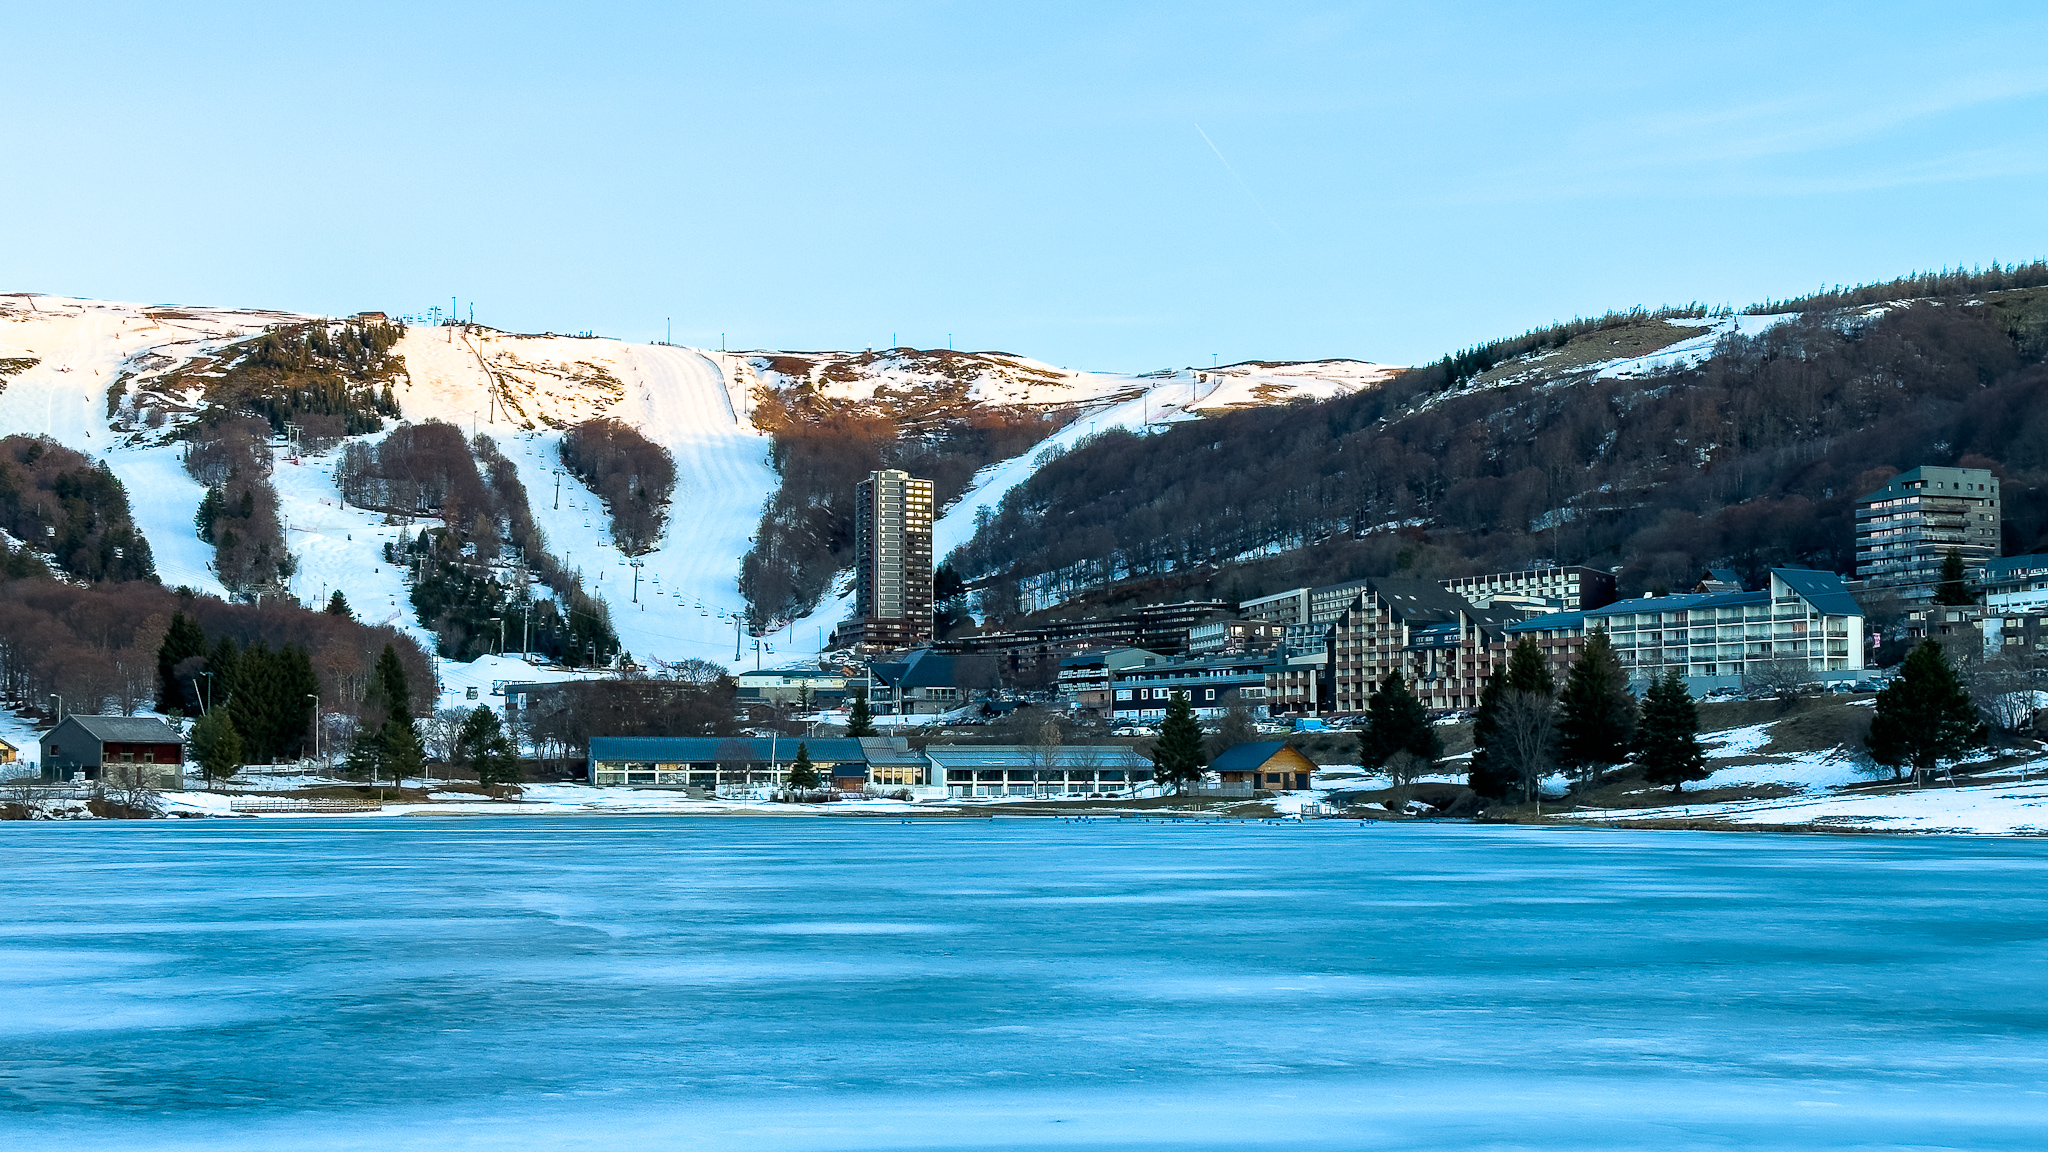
(1247, 757)
(927, 669)
(126, 729)
(1419, 601)
(1823, 590)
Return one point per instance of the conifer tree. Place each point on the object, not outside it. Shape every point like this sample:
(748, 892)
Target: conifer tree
(1488, 776)
(1177, 758)
(223, 666)
(1668, 736)
(337, 605)
(861, 722)
(183, 640)
(483, 748)
(803, 775)
(390, 677)
(400, 751)
(1954, 588)
(1924, 716)
(216, 745)
(1596, 715)
(1396, 722)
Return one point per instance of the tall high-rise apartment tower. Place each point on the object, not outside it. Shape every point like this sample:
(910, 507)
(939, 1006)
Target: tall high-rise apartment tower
(892, 538)
(1906, 528)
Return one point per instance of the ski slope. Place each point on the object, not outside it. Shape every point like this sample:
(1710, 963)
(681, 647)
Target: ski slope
(523, 391)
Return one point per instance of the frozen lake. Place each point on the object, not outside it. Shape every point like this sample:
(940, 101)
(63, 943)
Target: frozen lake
(626, 983)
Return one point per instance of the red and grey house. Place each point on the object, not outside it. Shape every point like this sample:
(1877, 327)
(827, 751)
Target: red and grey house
(139, 750)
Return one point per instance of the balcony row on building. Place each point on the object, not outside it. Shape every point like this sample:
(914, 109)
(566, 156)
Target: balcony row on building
(1445, 646)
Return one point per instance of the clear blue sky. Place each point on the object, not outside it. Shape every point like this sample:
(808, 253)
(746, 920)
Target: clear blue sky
(1384, 181)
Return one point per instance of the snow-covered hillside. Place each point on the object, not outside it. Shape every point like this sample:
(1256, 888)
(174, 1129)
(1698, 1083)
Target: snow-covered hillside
(524, 391)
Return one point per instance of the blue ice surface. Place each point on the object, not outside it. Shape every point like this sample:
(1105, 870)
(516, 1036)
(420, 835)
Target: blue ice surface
(677, 983)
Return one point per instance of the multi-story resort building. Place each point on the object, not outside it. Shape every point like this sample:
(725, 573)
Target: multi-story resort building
(1715, 638)
(892, 570)
(1905, 529)
(1445, 648)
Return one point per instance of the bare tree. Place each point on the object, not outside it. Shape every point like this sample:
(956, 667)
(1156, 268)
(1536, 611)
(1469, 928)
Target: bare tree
(1782, 677)
(1045, 753)
(2003, 689)
(1402, 768)
(1524, 726)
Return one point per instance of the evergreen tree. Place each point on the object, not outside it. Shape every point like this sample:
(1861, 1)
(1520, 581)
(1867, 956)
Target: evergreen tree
(400, 750)
(297, 701)
(1924, 716)
(1596, 720)
(862, 721)
(183, 640)
(216, 745)
(803, 775)
(337, 605)
(210, 507)
(1495, 758)
(1954, 588)
(1177, 758)
(223, 667)
(394, 692)
(1396, 722)
(483, 748)
(365, 758)
(1488, 777)
(254, 703)
(1668, 736)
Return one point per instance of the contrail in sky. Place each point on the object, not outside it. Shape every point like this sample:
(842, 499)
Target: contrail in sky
(1240, 180)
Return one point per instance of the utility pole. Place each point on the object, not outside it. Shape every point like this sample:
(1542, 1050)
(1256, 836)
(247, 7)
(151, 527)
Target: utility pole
(316, 724)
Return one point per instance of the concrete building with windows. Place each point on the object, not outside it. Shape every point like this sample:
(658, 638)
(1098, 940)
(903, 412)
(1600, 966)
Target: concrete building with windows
(2016, 585)
(1085, 677)
(1905, 529)
(1539, 589)
(892, 567)
(929, 683)
(1213, 687)
(826, 687)
(1715, 638)
(1442, 645)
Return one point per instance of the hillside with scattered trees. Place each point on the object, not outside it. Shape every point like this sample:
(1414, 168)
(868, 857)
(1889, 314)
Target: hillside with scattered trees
(1481, 461)
(464, 575)
(634, 476)
(70, 509)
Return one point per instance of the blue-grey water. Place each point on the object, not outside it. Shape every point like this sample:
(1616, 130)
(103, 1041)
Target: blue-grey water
(616, 983)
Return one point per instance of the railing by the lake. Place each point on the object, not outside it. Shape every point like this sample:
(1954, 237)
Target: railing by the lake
(300, 804)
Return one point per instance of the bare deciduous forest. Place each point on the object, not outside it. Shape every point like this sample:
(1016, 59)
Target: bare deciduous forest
(1752, 459)
(635, 477)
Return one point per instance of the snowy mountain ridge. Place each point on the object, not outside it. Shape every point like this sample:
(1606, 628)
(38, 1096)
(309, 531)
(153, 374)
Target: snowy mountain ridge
(116, 380)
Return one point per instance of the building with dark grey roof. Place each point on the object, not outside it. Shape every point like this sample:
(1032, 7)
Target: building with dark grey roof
(122, 750)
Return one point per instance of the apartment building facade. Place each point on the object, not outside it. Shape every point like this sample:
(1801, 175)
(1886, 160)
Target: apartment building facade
(1905, 529)
(892, 583)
